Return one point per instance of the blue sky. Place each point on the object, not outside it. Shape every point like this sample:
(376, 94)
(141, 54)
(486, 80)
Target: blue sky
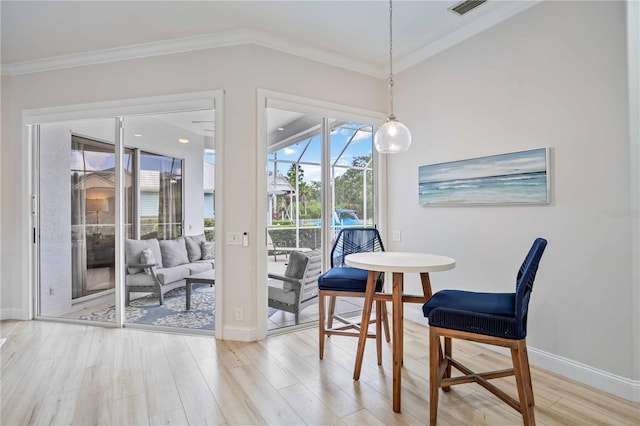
(360, 146)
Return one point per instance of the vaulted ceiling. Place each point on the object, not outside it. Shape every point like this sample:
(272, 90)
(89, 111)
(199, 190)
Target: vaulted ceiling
(42, 35)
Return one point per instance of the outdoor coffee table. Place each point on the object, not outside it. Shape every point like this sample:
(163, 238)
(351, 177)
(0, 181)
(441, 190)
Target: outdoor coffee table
(206, 277)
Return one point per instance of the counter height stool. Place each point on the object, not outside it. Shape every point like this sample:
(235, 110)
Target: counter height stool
(491, 318)
(344, 281)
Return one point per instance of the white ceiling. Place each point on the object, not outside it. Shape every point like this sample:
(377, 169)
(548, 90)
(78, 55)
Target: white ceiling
(41, 35)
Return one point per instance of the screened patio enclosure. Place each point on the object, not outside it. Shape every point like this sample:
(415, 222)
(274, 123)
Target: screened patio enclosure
(320, 179)
(295, 183)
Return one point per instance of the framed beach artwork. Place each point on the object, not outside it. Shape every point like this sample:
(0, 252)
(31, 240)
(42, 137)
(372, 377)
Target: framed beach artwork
(513, 178)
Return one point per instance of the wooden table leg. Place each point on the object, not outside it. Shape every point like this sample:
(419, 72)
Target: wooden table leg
(396, 298)
(364, 324)
(426, 285)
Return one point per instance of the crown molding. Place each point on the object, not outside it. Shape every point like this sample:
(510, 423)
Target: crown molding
(261, 38)
(189, 44)
(508, 10)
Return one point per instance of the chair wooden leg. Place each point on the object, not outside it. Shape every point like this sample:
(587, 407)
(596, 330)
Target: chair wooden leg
(332, 310)
(364, 324)
(321, 299)
(434, 381)
(379, 304)
(525, 361)
(385, 319)
(448, 354)
(526, 405)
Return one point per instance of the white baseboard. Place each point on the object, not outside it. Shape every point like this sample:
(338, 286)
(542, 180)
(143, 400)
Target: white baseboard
(11, 313)
(599, 379)
(243, 334)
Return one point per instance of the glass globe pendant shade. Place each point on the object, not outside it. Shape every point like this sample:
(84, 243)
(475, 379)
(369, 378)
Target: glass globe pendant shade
(392, 137)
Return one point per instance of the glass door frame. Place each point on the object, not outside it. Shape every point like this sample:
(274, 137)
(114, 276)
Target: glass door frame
(117, 110)
(271, 99)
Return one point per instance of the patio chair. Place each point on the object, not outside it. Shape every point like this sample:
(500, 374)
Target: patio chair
(498, 319)
(344, 281)
(274, 250)
(299, 288)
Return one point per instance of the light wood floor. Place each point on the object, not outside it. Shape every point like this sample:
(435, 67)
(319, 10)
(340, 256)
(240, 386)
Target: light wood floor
(59, 374)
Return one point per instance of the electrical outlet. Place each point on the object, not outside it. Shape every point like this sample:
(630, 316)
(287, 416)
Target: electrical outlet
(239, 314)
(396, 236)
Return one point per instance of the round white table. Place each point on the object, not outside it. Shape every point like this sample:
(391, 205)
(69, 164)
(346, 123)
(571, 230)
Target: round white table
(397, 263)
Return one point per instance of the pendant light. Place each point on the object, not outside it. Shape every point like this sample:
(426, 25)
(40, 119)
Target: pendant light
(392, 136)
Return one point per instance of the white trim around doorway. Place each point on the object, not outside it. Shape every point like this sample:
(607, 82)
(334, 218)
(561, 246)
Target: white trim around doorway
(212, 99)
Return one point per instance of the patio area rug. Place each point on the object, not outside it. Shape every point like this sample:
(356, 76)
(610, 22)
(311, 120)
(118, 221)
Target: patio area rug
(173, 313)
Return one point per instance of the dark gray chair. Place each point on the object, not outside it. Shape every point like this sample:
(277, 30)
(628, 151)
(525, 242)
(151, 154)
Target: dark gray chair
(299, 283)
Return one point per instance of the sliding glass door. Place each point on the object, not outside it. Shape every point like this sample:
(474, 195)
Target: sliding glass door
(168, 197)
(320, 179)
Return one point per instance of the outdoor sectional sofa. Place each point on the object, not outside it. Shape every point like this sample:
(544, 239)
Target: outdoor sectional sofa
(157, 266)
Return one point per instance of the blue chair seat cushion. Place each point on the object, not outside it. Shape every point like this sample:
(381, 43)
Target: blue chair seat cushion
(486, 303)
(344, 279)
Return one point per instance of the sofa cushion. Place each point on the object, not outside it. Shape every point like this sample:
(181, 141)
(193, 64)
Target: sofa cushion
(174, 252)
(133, 250)
(141, 280)
(197, 267)
(169, 275)
(208, 250)
(193, 246)
(280, 295)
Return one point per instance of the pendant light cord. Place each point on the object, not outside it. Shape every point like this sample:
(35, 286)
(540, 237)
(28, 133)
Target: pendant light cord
(391, 114)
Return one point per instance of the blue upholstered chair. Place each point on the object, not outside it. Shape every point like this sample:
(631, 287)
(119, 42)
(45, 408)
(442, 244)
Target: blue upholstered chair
(491, 318)
(344, 281)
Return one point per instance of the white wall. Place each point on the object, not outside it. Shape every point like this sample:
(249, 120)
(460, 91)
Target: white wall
(633, 49)
(239, 71)
(5, 99)
(552, 76)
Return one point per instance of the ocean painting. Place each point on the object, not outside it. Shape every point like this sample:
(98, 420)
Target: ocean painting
(513, 178)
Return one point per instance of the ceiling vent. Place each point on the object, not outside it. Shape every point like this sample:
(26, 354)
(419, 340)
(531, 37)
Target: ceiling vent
(466, 6)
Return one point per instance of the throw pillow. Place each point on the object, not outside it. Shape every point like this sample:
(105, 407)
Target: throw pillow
(208, 250)
(193, 246)
(295, 269)
(133, 248)
(147, 257)
(174, 252)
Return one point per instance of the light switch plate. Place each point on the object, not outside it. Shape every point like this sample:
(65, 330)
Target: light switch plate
(234, 238)
(396, 236)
